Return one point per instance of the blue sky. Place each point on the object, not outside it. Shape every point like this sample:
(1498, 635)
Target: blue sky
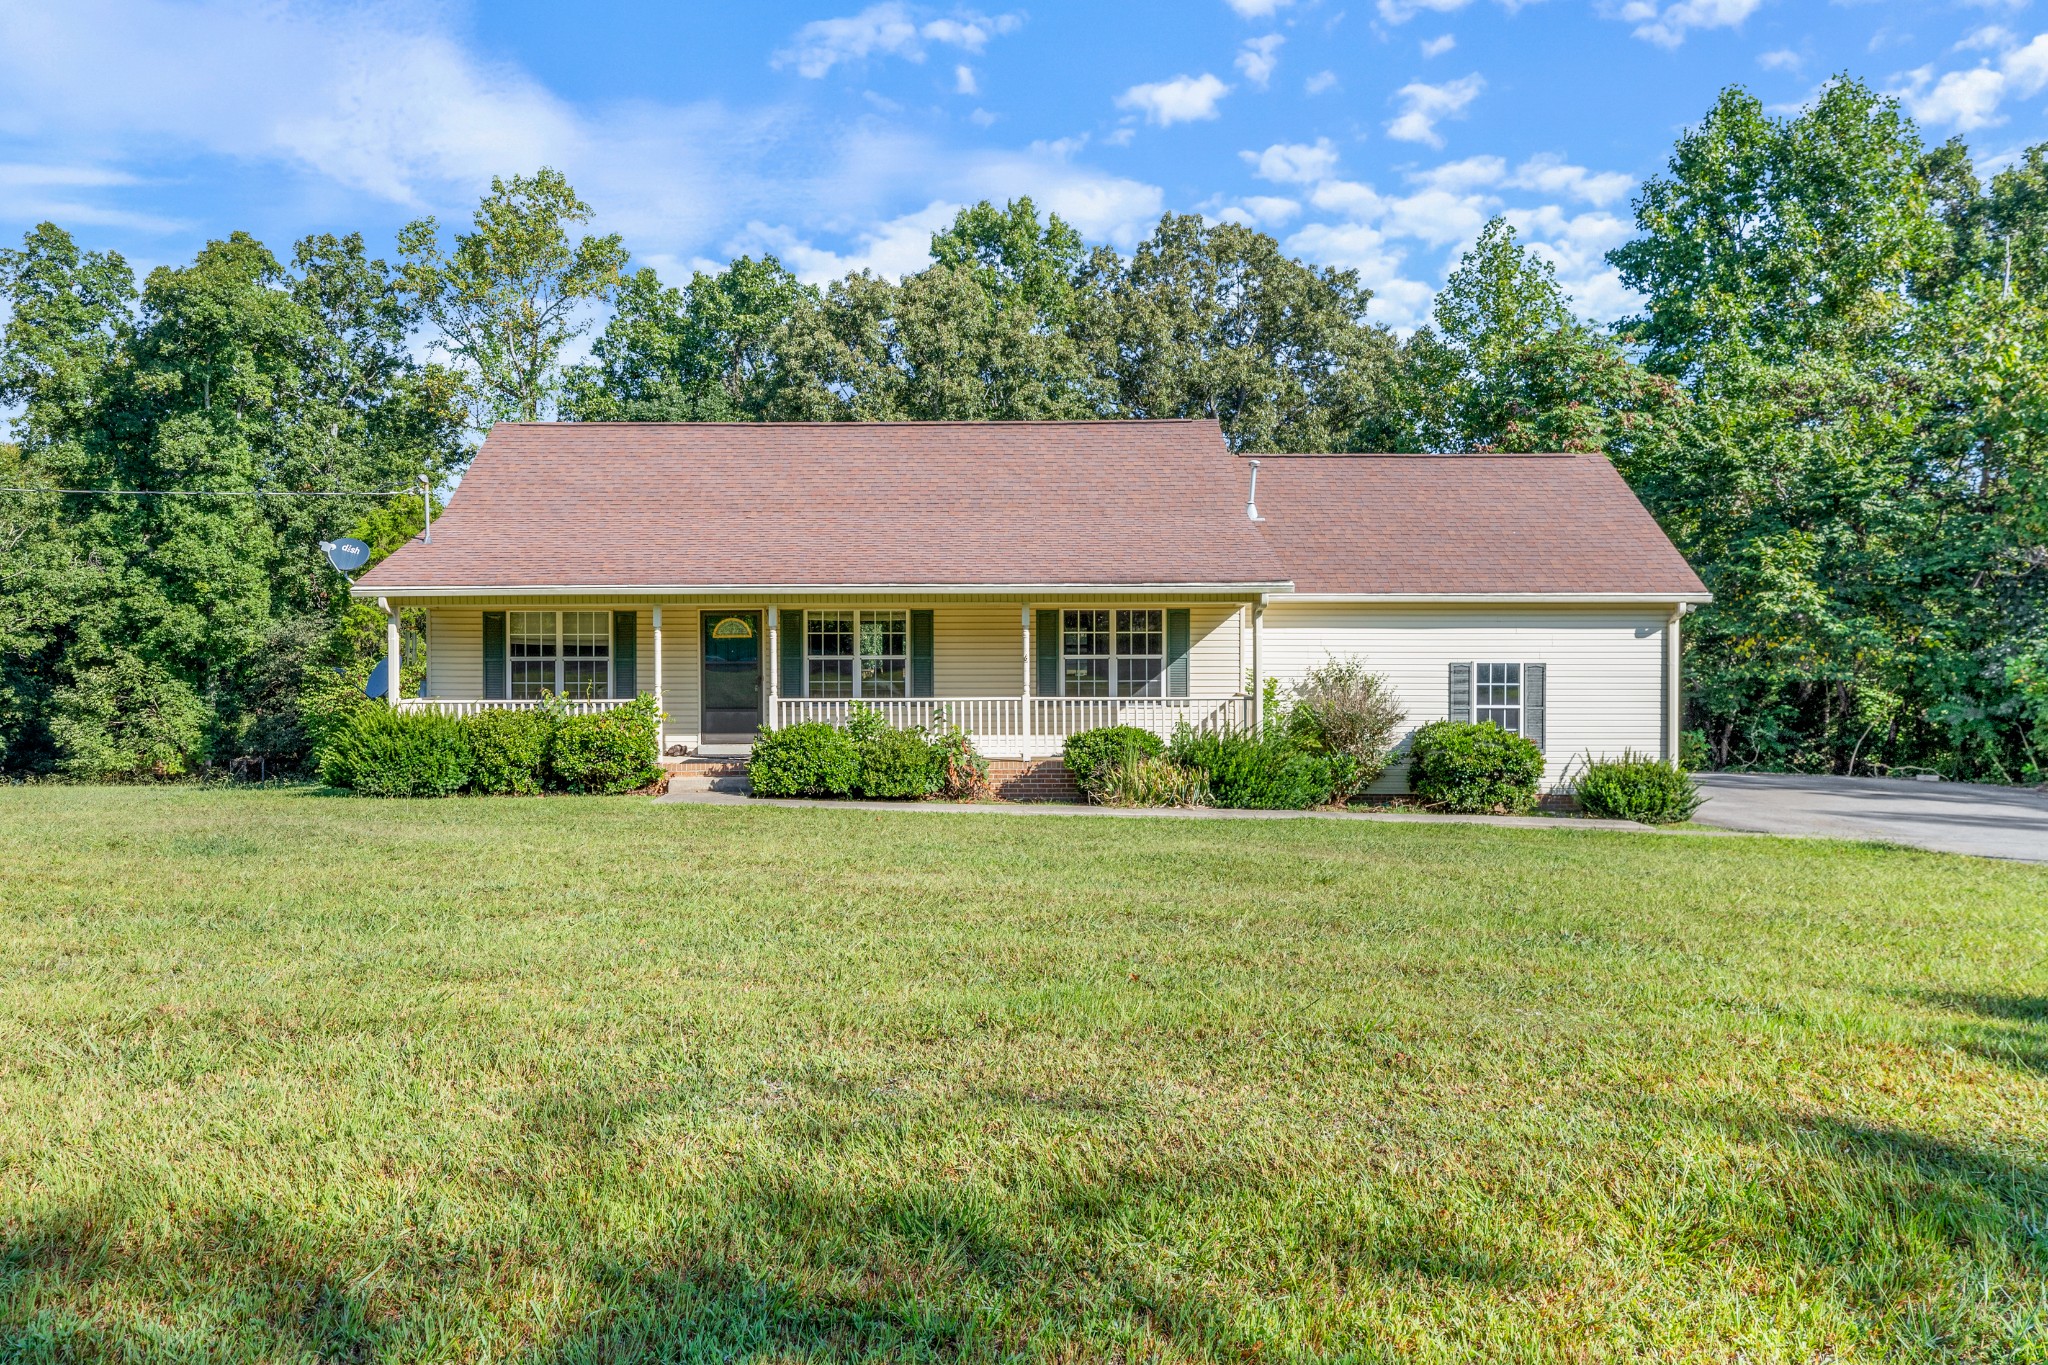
(1374, 134)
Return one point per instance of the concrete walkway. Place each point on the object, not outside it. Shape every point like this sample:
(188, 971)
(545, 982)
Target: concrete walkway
(729, 792)
(1947, 817)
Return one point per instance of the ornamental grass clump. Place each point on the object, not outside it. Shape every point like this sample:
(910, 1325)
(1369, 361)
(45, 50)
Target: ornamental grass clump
(1474, 769)
(1637, 787)
(1142, 779)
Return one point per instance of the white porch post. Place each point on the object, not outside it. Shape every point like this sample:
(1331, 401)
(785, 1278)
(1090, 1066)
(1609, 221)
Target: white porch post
(393, 689)
(660, 715)
(1258, 666)
(1674, 686)
(774, 666)
(1024, 730)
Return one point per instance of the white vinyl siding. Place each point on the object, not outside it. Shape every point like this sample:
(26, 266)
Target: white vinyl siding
(1604, 675)
(977, 645)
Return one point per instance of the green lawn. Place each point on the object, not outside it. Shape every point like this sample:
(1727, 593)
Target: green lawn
(286, 1076)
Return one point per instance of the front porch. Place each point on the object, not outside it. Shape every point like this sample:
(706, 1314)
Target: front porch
(1002, 727)
(1018, 676)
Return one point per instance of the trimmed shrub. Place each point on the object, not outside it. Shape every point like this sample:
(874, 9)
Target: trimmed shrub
(897, 765)
(1477, 769)
(1093, 751)
(1139, 779)
(1273, 772)
(1341, 707)
(1637, 787)
(813, 759)
(381, 752)
(606, 752)
(509, 752)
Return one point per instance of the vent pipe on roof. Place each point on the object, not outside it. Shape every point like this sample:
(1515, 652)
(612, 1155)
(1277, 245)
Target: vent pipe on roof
(1251, 502)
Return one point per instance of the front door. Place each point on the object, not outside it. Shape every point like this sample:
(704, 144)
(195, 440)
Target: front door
(732, 673)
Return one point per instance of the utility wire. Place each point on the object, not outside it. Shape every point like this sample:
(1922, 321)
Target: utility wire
(223, 493)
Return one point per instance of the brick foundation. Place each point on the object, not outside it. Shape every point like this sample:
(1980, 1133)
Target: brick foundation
(1032, 779)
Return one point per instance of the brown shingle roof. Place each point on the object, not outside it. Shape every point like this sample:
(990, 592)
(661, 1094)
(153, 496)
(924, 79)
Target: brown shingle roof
(1464, 524)
(959, 504)
(1000, 504)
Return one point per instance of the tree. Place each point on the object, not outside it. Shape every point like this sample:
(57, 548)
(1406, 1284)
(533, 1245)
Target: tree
(704, 353)
(512, 294)
(1215, 321)
(1859, 483)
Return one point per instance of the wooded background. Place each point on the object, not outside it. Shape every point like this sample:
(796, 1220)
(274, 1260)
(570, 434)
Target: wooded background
(1832, 398)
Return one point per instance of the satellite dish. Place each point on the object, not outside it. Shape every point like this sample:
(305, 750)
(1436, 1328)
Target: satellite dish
(378, 686)
(346, 555)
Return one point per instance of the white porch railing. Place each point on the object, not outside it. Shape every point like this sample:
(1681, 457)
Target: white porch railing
(1007, 727)
(451, 706)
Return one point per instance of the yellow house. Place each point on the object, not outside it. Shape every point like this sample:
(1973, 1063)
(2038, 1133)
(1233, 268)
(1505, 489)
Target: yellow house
(1029, 580)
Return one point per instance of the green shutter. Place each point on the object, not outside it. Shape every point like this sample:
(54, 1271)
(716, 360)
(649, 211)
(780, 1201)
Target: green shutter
(1048, 648)
(1533, 683)
(921, 654)
(1177, 652)
(1461, 692)
(495, 685)
(625, 653)
(791, 626)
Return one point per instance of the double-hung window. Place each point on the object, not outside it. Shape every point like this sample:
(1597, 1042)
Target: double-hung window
(857, 653)
(1113, 653)
(568, 653)
(1497, 695)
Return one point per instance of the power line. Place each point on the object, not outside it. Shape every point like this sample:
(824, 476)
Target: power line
(217, 493)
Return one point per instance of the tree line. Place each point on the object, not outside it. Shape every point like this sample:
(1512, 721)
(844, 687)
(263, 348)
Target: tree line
(1831, 397)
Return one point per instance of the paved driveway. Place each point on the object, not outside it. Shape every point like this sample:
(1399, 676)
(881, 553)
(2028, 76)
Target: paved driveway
(1950, 817)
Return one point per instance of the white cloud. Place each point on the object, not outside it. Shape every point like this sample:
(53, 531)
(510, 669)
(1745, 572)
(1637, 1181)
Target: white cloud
(1423, 106)
(1257, 9)
(1398, 301)
(1549, 173)
(1971, 99)
(1780, 59)
(1667, 25)
(1184, 99)
(1293, 163)
(1259, 57)
(1989, 38)
(1401, 11)
(1271, 209)
(892, 249)
(964, 82)
(1348, 197)
(1321, 81)
(888, 29)
(1471, 173)
(1437, 47)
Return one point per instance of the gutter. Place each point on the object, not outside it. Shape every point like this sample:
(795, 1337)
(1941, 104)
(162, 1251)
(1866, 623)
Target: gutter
(1616, 599)
(361, 591)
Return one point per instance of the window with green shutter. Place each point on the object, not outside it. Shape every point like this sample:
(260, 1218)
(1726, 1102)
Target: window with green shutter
(1177, 634)
(921, 654)
(625, 654)
(495, 684)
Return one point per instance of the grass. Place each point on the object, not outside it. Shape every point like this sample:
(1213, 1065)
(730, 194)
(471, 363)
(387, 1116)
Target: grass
(289, 1077)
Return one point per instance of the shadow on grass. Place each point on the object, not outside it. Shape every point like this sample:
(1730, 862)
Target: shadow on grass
(1923, 1239)
(789, 1267)
(2009, 1029)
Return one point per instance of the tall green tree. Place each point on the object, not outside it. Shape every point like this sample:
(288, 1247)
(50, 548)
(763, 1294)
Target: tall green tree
(1855, 483)
(513, 292)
